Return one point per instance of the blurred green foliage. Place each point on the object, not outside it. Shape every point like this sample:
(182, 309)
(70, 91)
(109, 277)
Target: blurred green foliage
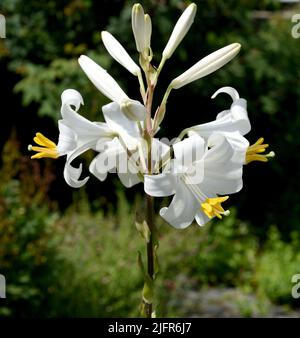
(65, 259)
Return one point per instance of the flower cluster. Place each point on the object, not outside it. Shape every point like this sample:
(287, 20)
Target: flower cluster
(199, 169)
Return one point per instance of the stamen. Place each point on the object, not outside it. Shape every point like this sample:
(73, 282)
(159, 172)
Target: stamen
(212, 207)
(255, 150)
(48, 149)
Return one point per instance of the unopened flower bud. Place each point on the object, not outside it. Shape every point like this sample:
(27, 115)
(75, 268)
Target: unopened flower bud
(181, 28)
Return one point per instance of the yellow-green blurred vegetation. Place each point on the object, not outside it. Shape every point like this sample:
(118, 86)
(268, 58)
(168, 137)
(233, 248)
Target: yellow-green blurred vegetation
(68, 252)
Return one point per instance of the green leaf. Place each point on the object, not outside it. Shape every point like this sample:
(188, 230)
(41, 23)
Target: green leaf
(148, 290)
(144, 230)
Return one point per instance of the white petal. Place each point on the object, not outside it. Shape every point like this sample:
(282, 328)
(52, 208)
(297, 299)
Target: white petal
(117, 51)
(102, 80)
(228, 90)
(221, 174)
(71, 97)
(84, 128)
(182, 210)
(106, 161)
(181, 28)
(207, 65)
(94, 170)
(189, 150)
(160, 185)
(235, 119)
(112, 159)
(240, 145)
(238, 115)
(201, 218)
(72, 174)
(120, 124)
(67, 140)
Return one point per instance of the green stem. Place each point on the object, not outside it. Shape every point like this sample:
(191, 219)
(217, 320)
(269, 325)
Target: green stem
(150, 249)
(160, 67)
(142, 86)
(166, 96)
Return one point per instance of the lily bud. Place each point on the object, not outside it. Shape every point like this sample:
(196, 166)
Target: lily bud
(147, 30)
(117, 51)
(134, 110)
(181, 28)
(207, 65)
(142, 28)
(106, 84)
(138, 23)
(101, 79)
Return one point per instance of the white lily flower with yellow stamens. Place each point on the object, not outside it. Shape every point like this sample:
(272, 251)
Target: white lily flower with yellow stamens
(234, 124)
(142, 30)
(196, 197)
(207, 65)
(74, 130)
(133, 109)
(180, 30)
(78, 134)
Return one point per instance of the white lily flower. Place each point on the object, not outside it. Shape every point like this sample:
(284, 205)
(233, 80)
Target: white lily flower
(117, 51)
(207, 65)
(221, 175)
(180, 30)
(76, 135)
(142, 29)
(105, 83)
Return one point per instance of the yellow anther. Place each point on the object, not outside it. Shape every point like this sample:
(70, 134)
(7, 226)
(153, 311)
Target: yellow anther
(212, 207)
(48, 148)
(255, 150)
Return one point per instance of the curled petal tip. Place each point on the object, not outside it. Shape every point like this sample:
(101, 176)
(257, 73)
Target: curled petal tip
(228, 90)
